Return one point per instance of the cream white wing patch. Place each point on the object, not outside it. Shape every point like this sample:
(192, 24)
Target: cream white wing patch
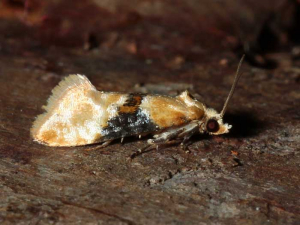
(74, 115)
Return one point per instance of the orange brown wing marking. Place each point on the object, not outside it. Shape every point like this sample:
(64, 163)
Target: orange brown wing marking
(132, 103)
(194, 108)
(167, 111)
(131, 119)
(49, 136)
(195, 113)
(53, 135)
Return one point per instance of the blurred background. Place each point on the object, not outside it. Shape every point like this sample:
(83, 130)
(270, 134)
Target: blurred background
(168, 32)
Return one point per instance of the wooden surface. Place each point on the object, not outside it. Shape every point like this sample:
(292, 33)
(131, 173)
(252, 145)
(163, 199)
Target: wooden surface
(250, 176)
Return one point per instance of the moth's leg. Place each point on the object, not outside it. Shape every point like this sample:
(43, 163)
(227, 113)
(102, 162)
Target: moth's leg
(104, 144)
(187, 134)
(161, 139)
(166, 136)
(141, 151)
(184, 132)
(189, 130)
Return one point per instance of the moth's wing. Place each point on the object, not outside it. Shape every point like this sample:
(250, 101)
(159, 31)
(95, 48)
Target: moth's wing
(168, 111)
(75, 114)
(143, 114)
(130, 120)
(165, 111)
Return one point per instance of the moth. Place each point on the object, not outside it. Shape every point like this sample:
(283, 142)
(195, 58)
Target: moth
(78, 114)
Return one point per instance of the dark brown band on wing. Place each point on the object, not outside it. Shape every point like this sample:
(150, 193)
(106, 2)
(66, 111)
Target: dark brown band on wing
(132, 103)
(131, 120)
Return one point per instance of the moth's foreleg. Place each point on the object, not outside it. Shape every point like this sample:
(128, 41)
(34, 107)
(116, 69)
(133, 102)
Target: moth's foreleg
(140, 151)
(159, 139)
(184, 132)
(169, 137)
(166, 136)
(187, 134)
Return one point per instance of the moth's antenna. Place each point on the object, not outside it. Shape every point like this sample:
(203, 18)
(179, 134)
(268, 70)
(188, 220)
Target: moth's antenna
(236, 79)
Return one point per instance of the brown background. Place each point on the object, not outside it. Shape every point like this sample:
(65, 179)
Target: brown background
(250, 176)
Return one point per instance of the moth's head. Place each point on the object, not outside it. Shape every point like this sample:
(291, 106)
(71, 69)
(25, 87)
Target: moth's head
(217, 127)
(213, 121)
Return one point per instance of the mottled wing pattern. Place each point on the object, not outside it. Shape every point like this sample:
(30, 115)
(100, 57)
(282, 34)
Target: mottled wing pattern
(142, 114)
(75, 114)
(166, 111)
(130, 120)
(78, 114)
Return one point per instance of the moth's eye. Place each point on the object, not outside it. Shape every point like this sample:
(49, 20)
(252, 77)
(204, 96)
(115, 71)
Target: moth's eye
(212, 125)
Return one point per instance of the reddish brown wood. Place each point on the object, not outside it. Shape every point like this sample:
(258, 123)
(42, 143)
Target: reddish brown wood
(250, 176)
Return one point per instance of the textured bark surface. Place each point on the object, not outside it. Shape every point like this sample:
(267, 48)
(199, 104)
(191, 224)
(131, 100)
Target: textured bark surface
(250, 176)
